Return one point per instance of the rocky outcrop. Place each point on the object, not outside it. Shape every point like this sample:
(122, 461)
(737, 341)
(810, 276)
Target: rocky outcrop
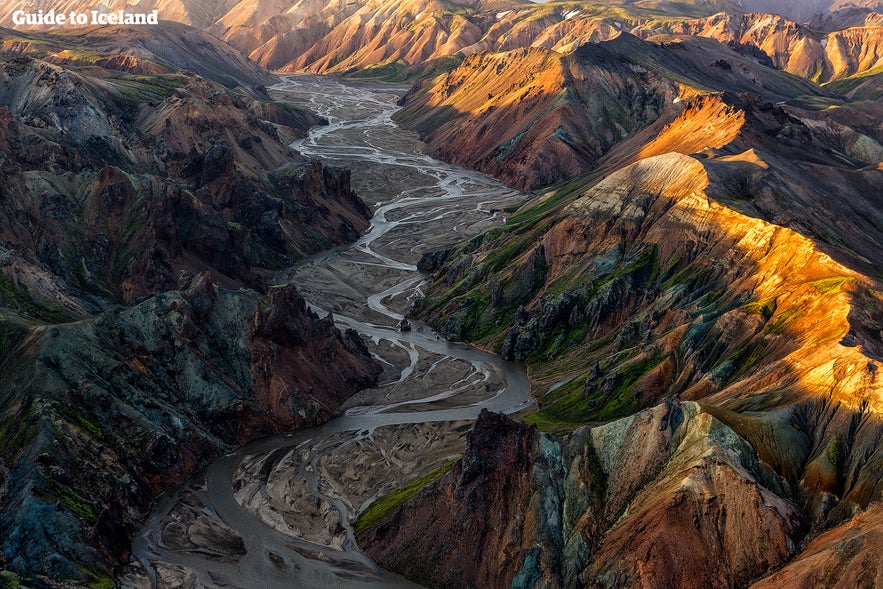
(492, 479)
(291, 346)
(116, 186)
(525, 509)
(101, 415)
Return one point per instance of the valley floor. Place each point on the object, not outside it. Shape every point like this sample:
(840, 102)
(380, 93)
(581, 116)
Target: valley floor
(288, 516)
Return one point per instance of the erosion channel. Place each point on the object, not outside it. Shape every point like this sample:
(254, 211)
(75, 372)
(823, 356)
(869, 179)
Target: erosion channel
(279, 512)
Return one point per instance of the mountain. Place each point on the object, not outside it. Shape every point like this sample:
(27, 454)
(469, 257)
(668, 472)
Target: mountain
(659, 287)
(671, 497)
(807, 10)
(146, 191)
(161, 49)
(532, 117)
(700, 308)
(180, 174)
(793, 48)
(197, 13)
(403, 39)
(101, 415)
(695, 287)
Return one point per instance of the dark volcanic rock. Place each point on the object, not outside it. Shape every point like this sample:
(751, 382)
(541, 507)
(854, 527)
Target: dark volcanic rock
(116, 195)
(117, 189)
(492, 480)
(101, 415)
(524, 509)
(292, 348)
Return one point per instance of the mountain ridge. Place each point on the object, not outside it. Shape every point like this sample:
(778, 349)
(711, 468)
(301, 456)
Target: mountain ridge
(381, 36)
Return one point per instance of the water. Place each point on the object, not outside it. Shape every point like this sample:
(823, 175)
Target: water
(420, 204)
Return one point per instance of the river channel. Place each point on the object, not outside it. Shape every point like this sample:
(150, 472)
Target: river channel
(278, 512)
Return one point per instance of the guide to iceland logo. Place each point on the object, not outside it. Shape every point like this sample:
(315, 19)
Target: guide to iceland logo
(52, 17)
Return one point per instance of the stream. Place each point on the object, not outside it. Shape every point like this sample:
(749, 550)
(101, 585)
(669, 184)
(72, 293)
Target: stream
(278, 512)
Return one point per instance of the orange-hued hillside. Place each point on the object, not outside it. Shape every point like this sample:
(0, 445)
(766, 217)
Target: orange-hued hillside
(700, 309)
(693, 279)
(662, 285)
(391, 36)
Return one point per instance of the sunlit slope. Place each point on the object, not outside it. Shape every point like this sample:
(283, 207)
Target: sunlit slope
(708, 301)
(397, 39)
(531, 117)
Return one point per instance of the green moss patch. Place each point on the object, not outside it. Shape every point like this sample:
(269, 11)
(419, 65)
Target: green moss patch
(571, 405)
(9, 580)
(831, 285)
(19, 300)
(764, 307)
(74, 503)
(381, 509)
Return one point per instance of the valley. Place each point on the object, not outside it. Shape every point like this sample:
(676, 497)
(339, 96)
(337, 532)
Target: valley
(288, 517)
(443, 293)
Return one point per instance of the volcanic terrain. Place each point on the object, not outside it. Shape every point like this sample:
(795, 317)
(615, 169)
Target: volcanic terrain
(695, 285)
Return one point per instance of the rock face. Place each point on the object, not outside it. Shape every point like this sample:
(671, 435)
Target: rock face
(612, 506)
(492, 479)
(115, 184)
(140, 207)
(669, 497)
(396, 38)
(292, 348)
(101, 415)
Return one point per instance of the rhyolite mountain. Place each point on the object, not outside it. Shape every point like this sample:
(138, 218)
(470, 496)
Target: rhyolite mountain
(396, 39)
(695, 289)
(535, 116)
(755, 352)
(698, 299)
(146, 191)
(807, 10)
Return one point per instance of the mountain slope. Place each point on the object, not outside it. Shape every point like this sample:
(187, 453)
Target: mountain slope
(532, 117)
(394, 38)
(701, 313)
(164, 48)
(670, 497)
(649, 291)
(794, 48)
(141, 207)
(807, 10)
(154, 174)
(102, 415)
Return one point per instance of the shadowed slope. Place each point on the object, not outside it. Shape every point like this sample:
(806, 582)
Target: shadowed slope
(532, 117)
